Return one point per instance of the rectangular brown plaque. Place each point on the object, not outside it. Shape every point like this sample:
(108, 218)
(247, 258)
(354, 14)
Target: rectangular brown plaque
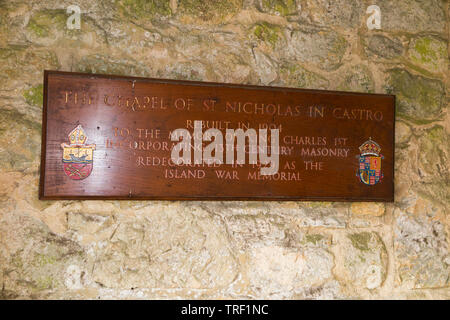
(112, 137)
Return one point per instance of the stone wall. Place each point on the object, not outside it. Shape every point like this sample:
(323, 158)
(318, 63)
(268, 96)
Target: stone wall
(289, 250)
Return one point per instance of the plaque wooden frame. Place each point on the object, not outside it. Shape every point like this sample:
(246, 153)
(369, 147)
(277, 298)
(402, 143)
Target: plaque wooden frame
(65, 178)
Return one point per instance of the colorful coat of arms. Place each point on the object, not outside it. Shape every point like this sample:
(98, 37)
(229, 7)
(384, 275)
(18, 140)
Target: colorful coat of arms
(370, 163)
(78, 156)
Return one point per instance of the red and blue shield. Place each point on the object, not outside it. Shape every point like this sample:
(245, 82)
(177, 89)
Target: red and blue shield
(370, 169)
(77, 169)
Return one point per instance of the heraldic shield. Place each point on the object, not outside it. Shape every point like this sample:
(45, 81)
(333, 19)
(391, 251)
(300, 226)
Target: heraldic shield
(78, 156)
(370, 158)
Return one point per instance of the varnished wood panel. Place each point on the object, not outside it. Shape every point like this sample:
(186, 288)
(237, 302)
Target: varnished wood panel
(129, 121)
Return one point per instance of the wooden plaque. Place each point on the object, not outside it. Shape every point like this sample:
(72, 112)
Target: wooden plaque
(113, 137)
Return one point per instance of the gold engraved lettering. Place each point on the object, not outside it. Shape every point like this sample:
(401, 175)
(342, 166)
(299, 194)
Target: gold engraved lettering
(324, 152)
(184, 173)
(67, 95)
(313, 165)
(227, 175)
(257, 108)
(106, 101)
(279, 176)
(316, 111)
(357, 114)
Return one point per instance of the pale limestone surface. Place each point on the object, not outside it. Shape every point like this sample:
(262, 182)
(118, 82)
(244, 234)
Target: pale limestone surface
(287, 250)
